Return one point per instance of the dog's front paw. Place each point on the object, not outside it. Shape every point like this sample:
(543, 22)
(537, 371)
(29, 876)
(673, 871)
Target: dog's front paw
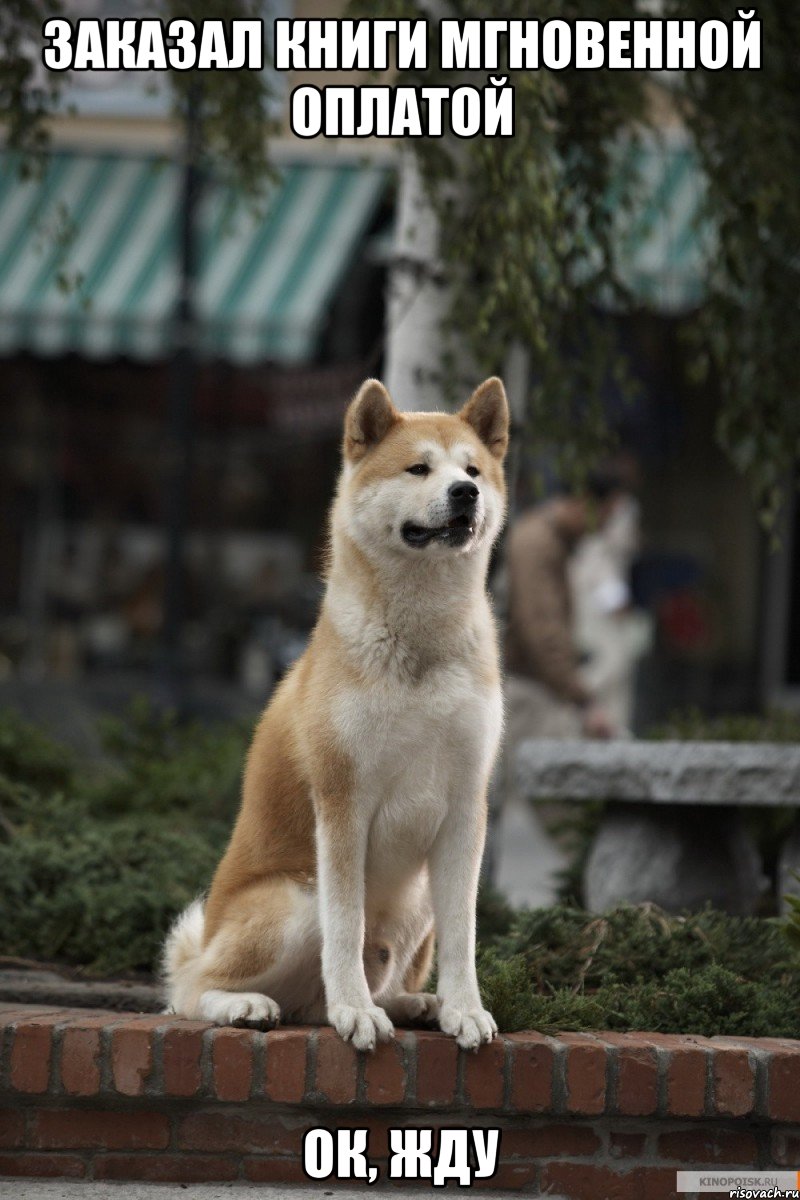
(361, 1026)
(413, 1006)
(468, 1025)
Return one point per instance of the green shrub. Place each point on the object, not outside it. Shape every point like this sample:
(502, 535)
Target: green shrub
(30, 756)
(160, 765)
(95, 863)
(100, 894)
(692, 725)
(637, 968)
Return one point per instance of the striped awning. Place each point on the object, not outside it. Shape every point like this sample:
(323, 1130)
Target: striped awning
(663, 245)
(89, 257)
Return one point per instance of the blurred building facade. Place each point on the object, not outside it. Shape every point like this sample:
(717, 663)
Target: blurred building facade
(290, 316)
(288, 308)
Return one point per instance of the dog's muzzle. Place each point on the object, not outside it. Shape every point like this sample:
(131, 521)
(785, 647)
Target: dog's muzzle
(462, 498)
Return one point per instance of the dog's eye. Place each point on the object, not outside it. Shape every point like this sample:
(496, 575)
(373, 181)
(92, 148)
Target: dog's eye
(419, 469)
(472, 471)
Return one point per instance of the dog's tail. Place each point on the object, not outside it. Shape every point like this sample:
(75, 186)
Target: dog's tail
(182, 950)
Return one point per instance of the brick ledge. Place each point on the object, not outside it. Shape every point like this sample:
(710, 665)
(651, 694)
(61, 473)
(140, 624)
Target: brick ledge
(122, 1095)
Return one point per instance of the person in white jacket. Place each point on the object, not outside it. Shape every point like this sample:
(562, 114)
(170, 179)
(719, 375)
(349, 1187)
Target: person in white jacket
(610, 633)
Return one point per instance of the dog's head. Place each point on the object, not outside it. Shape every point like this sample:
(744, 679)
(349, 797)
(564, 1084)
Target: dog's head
(427, 484)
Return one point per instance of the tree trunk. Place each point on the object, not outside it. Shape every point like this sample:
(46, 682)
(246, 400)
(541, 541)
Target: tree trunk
(418, 298)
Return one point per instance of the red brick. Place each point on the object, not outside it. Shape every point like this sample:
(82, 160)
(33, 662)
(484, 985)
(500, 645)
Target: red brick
(377, 1130)
(274, 1170)
(585, 1074)
(581, 1181)
(80, 1061)
(532, 1059)
(12, 1128)
(217, 1132)
(658, 1183)
(337, 1065)
(10, 1014)
(31, 1054)
(626, 1145)
(752, 1043)
(484, 1072)
(784, 1085)
(286, 1065)
(42, 1166)
(734, 1083)
(550, 1141)
(637, 1074)
(785, 1148)
(512, 1177)
(232, 1063)
(437, 1062)
(385, 1073)
(687, 1071)
(73, 1129)
(709, 1147)
(166, 1168)
(132, 1058)
(182, 1049)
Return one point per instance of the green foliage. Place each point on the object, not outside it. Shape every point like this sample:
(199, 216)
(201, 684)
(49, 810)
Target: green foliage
(792, 923)
(30, 755)
(23, 106)
(692, 725)
(96, 861)
(163, 766)
(637, 968)
(99, 894)
(233, 106)
(745, 128)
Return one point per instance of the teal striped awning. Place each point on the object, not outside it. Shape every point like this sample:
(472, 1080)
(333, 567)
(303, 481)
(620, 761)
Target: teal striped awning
(89, 257)
(663, 244)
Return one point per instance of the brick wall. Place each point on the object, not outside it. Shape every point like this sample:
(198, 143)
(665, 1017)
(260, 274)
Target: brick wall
(102, 1095)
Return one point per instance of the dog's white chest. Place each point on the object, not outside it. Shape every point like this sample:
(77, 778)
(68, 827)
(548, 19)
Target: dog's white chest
(415, 751)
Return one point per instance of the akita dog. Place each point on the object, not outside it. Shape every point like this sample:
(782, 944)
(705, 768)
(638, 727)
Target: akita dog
(363, 814)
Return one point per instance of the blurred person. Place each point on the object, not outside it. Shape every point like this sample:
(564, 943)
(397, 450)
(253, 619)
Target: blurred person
(547, 695)
(611, 634)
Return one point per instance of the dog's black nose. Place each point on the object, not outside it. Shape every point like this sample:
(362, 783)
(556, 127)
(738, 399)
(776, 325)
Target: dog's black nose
(462, 494)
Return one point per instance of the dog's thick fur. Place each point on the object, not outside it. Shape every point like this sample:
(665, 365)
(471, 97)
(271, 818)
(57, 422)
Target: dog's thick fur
(363, 812)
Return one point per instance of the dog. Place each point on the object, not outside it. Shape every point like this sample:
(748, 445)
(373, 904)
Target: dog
(363, 812)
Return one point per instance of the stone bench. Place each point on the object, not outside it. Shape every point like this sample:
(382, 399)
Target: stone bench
(672, 831)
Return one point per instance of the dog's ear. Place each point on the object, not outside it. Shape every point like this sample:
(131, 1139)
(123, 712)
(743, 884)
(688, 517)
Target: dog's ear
(487, 412)
(369, 418)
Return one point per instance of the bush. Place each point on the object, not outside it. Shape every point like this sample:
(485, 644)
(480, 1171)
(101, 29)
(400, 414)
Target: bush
(95, 863)
(637, 968)
(691, 725)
